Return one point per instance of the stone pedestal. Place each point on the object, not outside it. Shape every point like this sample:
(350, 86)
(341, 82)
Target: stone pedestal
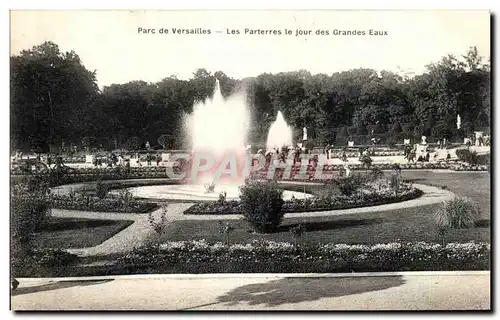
(165, 157)
(89, 158)
(421, 150)
(478, 134)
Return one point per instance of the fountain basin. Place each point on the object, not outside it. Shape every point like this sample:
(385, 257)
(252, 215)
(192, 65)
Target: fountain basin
(196, 192)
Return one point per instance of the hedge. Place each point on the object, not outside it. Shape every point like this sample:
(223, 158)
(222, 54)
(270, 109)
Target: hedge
(89, 203)
(283, 257)
(339, 202)
(43, 263)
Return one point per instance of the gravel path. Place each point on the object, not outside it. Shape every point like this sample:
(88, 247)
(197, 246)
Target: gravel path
(222, 292)
(129, 238)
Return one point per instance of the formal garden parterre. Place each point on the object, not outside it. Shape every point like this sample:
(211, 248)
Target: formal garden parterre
(341, 228)
(306, 235)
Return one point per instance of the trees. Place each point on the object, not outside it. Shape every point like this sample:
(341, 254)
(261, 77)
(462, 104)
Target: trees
(88, 143)
(441, 130)
(133, 143)
(50, 90)
(166, 140)
(55, 97)
(396, 127)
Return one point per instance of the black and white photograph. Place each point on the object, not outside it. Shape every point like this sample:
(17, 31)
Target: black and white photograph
(251, 160)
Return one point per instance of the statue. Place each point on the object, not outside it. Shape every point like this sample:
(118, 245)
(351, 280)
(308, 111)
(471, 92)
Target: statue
(459, 121)
(148, 146)
(304, 136)
(347, 171)
(424, 138)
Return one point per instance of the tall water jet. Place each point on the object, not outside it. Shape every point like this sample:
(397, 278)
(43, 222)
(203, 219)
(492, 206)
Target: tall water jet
(280, 134)
(218, 126)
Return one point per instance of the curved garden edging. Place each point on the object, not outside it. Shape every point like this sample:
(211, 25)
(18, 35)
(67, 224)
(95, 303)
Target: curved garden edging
(431, 195)
(66, 189)
(129, 238)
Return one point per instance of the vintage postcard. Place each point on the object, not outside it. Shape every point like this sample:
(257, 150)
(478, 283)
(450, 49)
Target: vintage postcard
(250, 160)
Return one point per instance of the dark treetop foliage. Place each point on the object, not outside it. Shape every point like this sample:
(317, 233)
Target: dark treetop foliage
(55, 100)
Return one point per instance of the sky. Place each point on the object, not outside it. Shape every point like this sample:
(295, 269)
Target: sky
(109, 41)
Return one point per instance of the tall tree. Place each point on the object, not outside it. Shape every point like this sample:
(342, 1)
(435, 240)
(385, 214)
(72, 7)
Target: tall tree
(50, 90)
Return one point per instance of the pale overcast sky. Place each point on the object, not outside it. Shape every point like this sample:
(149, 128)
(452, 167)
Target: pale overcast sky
(108, 41)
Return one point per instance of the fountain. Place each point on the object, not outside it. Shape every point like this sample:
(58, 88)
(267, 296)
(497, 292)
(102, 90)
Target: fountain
(280, 134)
(218, 127)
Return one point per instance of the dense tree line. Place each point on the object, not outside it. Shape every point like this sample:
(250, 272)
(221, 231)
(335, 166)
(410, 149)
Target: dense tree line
(55, 101)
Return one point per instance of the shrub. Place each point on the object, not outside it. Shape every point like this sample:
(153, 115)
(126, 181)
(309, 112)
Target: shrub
(226, 228)
(44, 263)
(262, 203)
(349, 185)
(28, 210)
(456, 213)
(27, 213)
(126, 198)
(37, 183)
(101, 190)
(366, 160)
(222, 197)
(297, 232)
(395, 182)
(468, 156)
(159, 225)
(375, 174)
(55, 258)
(124, 204)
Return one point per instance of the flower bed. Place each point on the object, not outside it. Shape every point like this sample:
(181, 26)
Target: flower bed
(268, 256)
(350, 154)
(345, 202)
(463, 166)
(93, 174)
(74, 160)
(54, 262)
(363, 198)
(89, 203)
(74, 175)
(113, 172)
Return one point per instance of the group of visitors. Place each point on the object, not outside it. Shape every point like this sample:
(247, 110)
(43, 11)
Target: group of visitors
(481, 141)
(149, 159)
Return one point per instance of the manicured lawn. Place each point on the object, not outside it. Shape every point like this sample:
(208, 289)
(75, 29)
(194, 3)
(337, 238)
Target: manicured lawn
(473, 185)
(64, 233)
(414, 224)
